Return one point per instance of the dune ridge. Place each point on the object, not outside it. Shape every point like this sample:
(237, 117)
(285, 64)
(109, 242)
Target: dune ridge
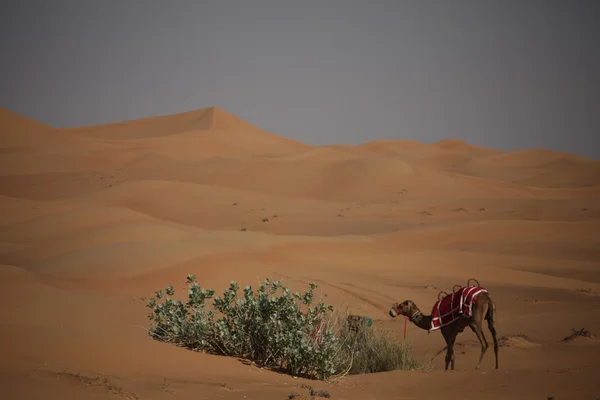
(95, 218)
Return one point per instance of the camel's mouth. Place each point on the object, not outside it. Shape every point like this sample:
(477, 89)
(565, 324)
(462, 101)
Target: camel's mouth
(393, 313)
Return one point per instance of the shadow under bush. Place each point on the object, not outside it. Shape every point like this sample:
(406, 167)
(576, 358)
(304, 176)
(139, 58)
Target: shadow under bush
(276, 329)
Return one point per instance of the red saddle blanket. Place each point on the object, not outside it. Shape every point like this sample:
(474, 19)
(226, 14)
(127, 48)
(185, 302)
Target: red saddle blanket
(454, 306)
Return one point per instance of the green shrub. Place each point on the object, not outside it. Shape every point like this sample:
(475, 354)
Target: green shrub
(274, 328)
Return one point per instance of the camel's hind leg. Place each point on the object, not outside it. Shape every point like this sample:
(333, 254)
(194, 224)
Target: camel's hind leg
(491, 319)
(475, 325)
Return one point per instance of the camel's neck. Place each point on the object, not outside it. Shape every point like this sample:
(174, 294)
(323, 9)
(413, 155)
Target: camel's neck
(422, 321)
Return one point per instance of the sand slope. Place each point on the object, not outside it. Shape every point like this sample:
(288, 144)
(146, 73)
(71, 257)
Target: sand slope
(94, 218)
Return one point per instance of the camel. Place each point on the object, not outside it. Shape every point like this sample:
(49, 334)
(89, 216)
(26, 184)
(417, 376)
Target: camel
(483, 308)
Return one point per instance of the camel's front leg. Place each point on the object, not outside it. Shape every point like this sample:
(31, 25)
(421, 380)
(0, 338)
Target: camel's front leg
(450, 337)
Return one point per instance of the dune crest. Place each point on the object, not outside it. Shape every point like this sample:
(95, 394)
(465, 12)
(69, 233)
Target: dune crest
(464, 147)
(11, 121)
(207, 131)
(18, 133)
(402, 148)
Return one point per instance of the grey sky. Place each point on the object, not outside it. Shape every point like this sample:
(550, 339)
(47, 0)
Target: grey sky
(506, 74)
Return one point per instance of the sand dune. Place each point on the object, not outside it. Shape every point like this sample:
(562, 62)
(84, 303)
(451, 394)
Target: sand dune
(314, 175)
(221, 126)
(323, 155)
(401, 148)
(148, 127)
(94, 218)
(29, 148)
(466, 148)
(20, 134)
(535, 168)
(323, 174)
(17, 130)
(535, 158)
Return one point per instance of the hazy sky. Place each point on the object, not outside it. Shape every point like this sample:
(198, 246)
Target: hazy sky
(506, 74)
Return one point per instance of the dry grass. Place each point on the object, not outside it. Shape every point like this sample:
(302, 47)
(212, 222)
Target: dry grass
(311, 394)
(166, 387)
(369, 349)
(511, 340)
(589, 291)
(578, 333)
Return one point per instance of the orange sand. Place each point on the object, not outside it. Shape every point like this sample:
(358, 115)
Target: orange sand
(93, 218)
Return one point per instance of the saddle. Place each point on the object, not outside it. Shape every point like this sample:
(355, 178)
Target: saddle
(451, 307)
(458, 287)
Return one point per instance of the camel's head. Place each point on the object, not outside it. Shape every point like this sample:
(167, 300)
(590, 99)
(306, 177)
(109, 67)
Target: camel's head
(406, 308)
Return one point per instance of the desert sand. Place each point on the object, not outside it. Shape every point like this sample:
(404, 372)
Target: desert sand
(93, 219)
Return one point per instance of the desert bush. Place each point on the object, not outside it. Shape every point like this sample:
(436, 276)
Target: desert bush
(273, 328)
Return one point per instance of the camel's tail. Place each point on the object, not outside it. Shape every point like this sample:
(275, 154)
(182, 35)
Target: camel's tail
(490, 315)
